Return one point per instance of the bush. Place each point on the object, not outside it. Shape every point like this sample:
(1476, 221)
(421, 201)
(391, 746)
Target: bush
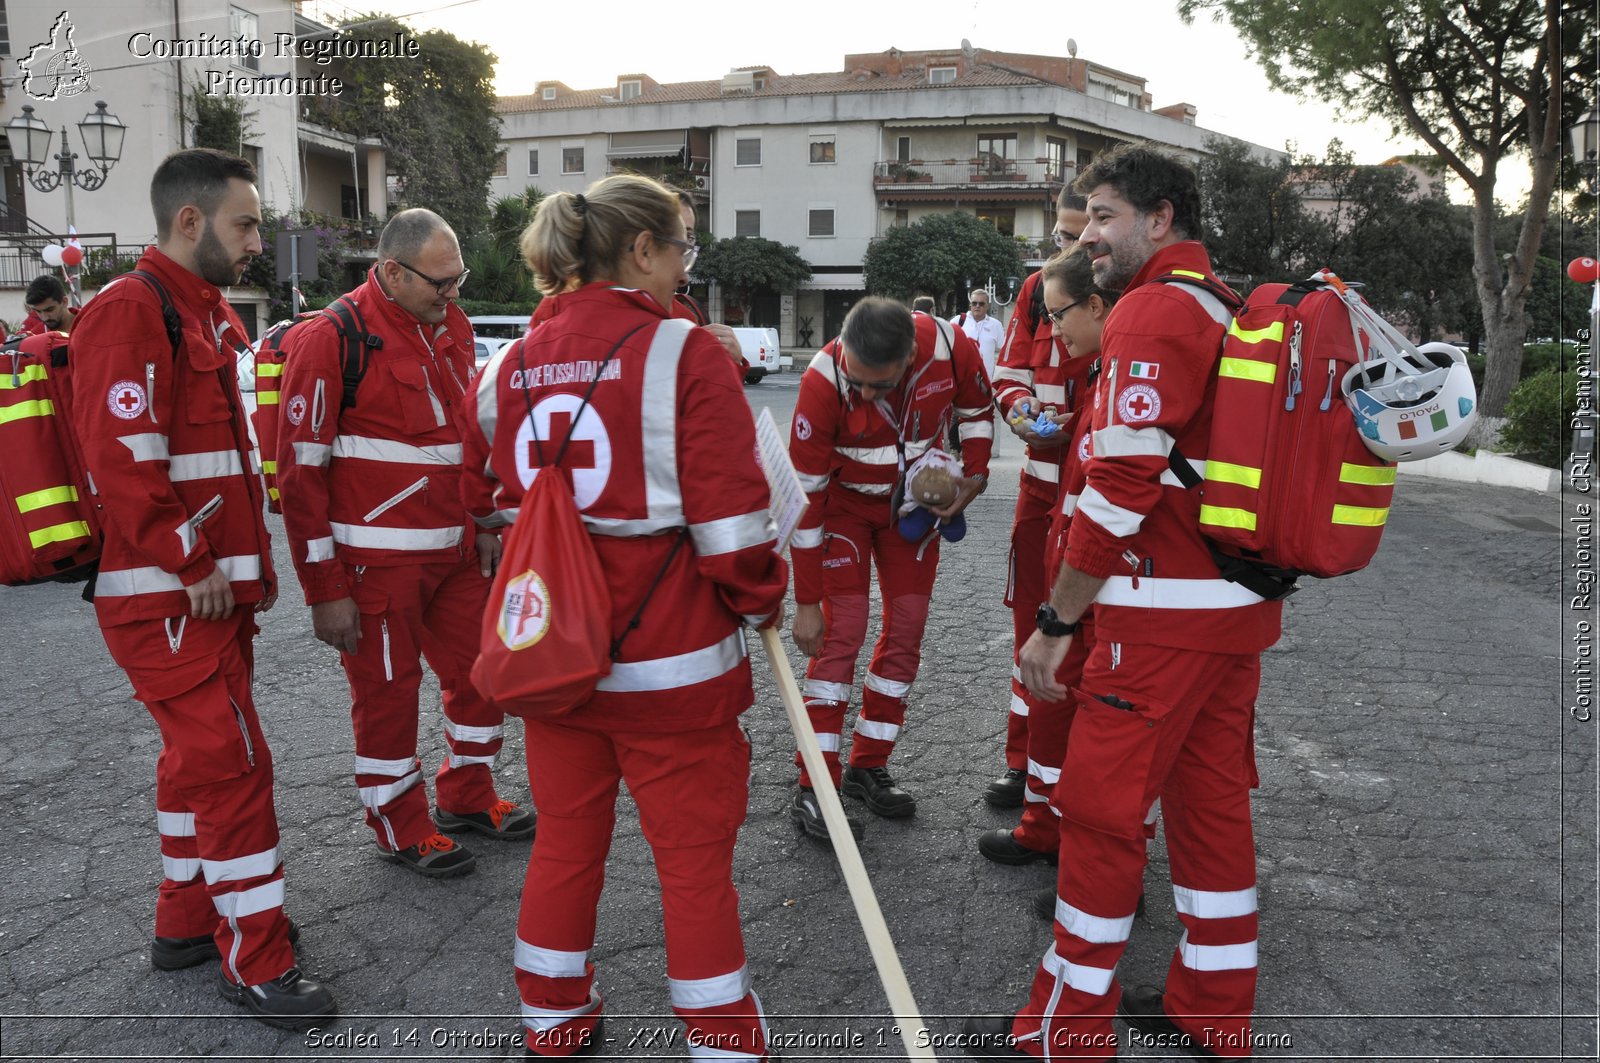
(1537, 414)
(1536, 358)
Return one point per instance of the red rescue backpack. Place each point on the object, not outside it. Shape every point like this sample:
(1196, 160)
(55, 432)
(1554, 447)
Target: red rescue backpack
(355, 347)
(1289, 487)
(546, 639)
(50, 529)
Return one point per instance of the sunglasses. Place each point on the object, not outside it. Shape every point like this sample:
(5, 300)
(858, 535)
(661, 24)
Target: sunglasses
(440, 286)
(1055, 316)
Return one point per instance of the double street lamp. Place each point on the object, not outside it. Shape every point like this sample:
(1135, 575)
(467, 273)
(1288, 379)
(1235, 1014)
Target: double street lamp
(102, 134)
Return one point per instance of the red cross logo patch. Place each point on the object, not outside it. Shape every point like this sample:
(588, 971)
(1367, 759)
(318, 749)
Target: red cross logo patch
(1138, 402)
(802, 428)
(127, 399)
(587, 457)
(296, 410)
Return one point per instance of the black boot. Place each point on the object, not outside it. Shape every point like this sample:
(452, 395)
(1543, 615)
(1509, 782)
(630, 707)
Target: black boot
(289, 1001)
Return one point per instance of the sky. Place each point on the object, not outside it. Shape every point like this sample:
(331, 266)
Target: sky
(587, 46)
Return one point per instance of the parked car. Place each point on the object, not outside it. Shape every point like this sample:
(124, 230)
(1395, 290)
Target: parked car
(760, 349)
(494, 331)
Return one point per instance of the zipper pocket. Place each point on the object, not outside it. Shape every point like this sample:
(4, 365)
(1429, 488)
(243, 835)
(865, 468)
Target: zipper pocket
(244, 732)
(388, 669)
(150, 390)
(1294, 367)
(420, 485)
(319, 408)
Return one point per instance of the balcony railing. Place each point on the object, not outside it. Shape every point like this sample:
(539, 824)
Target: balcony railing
(975, 172)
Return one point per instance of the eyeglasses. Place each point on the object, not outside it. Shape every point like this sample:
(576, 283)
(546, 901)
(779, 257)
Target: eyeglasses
(1062, 239)
(980, 302)
(691, 250)
(1055, 316)
(873, 385)
(440, 286)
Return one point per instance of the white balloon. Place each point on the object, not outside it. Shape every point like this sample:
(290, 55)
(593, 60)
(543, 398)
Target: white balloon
(51, 254)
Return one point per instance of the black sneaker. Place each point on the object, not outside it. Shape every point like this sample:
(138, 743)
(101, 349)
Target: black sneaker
(436, 857)
(1007, 791)
(805, 811)
(175, 954)
(989, 1037)
(289, 1002)
(1001, 846)
(1141, 1009)
(877, 788)
(502, 821)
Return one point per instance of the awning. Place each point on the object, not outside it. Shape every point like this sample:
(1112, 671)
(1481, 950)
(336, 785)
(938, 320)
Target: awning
(834, 282)
(651, 144)
(969, 194)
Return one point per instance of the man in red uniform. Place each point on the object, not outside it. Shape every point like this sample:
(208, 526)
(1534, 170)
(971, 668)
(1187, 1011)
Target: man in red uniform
(370, 491)
(48, 309)
(186, 564)
(1166, 705)
(871, 403)
(1034, 374)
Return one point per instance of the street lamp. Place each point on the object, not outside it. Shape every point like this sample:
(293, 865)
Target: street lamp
(102, 134)
(1585, 136)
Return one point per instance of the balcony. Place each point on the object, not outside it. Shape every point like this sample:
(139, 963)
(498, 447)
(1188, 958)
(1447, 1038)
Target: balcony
(985, 177)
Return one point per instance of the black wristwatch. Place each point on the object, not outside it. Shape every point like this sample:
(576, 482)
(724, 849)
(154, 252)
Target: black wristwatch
(1052, 626)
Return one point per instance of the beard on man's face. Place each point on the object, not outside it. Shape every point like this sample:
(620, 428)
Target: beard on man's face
(216, 265)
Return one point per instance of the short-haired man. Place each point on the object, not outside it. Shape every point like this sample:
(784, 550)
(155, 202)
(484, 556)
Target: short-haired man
(872, 402)
(1166, 704)
(186, 564)
(370, 489)
(923, 304)
(46, 300)
(982, 329)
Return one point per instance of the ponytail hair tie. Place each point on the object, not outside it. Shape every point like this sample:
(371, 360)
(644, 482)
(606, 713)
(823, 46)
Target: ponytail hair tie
(580, 204)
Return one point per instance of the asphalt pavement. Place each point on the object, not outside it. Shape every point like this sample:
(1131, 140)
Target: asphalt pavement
(1426, 833)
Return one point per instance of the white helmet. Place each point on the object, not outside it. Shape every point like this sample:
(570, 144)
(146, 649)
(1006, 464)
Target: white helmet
(1412, 403)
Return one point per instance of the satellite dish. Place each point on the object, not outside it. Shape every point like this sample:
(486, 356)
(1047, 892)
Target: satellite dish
(1072, 48)
(967, 51)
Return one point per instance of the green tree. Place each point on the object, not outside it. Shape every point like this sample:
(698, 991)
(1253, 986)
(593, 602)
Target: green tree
(220, 122)
(1558, 306)
(435, 115)
(510, 215)
(943, 254)
(1479, 81)
(746, 265)
(1256, 226)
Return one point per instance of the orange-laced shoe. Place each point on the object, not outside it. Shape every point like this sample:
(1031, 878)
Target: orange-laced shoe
(502, 821)
(435, 856)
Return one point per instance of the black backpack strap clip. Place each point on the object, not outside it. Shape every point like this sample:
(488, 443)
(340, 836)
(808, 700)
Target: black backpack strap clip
(1273, 584)
(355, 346)
(169, 312)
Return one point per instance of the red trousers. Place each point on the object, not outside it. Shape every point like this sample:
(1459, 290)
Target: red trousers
(858, 535)
(691, 789)
(219, 832)
(1049, 724)
(1187, 738)
(409, 612)
(1026, 588)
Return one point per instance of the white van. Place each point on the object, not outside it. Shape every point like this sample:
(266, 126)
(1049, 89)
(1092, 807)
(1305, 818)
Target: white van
(760, 349)
(494, 331)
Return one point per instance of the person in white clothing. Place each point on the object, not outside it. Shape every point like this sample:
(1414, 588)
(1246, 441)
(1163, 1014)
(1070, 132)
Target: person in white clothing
(984, 331)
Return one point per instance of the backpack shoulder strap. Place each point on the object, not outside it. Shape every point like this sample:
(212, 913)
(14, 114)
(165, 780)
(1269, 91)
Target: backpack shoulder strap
(1218, 300)
(355, 343)
(947, 336)
(1036, 302)
(169, 312)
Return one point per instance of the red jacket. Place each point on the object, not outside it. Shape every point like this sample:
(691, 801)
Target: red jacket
(377, 483)
(163, 437)
(1034, 365)
(1135, 522)
(838, 439)
(33, 324)
(667, 442)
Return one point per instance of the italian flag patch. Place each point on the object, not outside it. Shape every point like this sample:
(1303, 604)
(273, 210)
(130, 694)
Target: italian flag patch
(1144, 370)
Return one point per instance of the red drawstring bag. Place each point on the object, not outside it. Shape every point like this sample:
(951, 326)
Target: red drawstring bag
(547, 629)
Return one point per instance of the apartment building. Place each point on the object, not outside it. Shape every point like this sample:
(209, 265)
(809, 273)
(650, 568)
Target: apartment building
(829, 161)
(151, 61)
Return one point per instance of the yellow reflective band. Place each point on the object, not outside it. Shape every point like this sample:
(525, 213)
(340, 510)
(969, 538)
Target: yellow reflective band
(1226, 473)
(1273, 331)
(1360, 516)
(1248, 369)
(1188, 273)
(34, 408)
(31, 375)
(1376, 475)
(1220, 517)
(269, 466)
(267, 398)
(269, 369)
(272, 493)
(48, 497)
(60, 533)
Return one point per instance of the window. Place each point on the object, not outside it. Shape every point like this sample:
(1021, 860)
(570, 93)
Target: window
(747, 223)
(822, 148)
(902, 218)
(941, 75)
(1055, 149)
(997, 153)
(1085, 157)
(571, 160)
(533, 162)
(629, 90)
(499, 169)
(902, 149)
(549, 93)
(251, 153)
(245, 26)
(747, 151)
(1004, 220)
(821, 222)
(5, 31)
(350, 202)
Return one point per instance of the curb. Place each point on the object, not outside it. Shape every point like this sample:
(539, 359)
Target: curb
(1486, 467)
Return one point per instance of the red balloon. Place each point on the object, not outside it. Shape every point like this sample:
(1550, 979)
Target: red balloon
(1584, 270)
(71, 255)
